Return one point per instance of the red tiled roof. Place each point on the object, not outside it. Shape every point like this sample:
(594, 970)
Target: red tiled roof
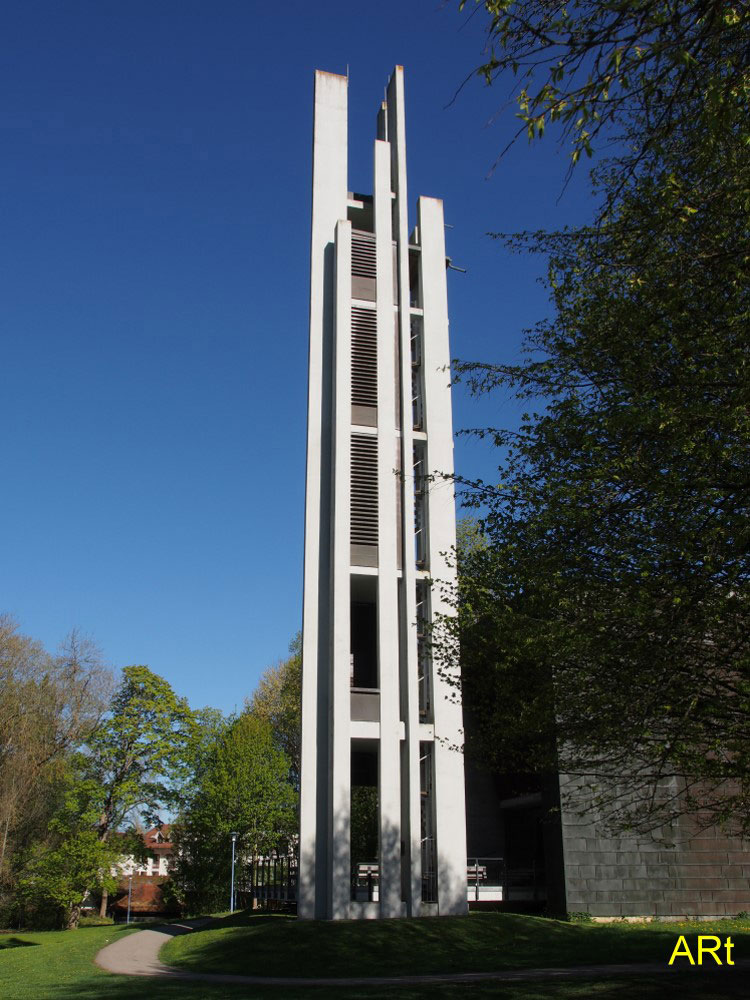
(151, 837)
(146, 895)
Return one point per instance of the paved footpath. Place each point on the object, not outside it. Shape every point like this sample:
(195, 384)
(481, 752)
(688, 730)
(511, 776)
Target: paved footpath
(138, 955)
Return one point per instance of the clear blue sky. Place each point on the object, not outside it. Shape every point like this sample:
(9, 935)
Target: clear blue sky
(155, 193)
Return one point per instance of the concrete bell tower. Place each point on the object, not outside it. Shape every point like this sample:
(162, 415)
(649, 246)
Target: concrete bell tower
(382, 826)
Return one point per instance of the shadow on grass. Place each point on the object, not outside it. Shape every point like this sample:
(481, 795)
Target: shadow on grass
(678, 987)
(15, 942)
(279, 945)
(263, 946)
(244, 918)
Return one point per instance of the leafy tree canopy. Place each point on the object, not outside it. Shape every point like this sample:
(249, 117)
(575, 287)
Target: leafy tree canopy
(608, 610)
(49, 704)
(278, 700)
(141, 753)
(59, 870)
(587, 67)
(245, 789)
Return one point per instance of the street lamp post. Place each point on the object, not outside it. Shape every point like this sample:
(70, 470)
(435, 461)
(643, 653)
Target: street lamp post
(234, 836)
(130, 895)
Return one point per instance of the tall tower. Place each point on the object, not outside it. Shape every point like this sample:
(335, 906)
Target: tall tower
(382, 826)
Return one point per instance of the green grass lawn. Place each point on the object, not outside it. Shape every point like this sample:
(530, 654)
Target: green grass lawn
(284, 946)
(58, 965)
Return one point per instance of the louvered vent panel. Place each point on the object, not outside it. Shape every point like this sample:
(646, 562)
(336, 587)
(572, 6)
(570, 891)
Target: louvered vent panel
(364, 499)
(363, 255)
(364, 357)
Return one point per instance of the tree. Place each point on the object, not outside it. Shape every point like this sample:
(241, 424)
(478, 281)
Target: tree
(593, 67)
(140, 754)
(244, 788)
(612, 598)
(278, 700)
(76, 760)
(603, 617)
(139, 757)
(61, 877)
(48, 705)
(60, 870)
(207, 728)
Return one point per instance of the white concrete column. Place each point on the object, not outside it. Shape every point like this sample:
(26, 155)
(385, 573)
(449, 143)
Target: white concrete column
(389, 780)
(396, 123)
(340, 830)
(328, 205)
(327, 728)
(450, 802)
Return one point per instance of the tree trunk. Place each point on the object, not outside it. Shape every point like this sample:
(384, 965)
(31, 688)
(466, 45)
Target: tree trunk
(103, 906)
(74, 915)
(253, 897)
(5, 841)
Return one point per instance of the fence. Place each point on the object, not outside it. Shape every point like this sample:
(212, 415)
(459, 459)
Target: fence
(275, 879)
(489, 879)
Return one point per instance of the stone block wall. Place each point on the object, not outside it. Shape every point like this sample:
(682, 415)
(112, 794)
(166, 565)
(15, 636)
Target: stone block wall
(675, 872)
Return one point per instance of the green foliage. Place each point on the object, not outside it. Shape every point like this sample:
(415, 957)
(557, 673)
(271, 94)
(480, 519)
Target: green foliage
(49, 704)
(58, 871)
(207, 728)
(604, 622)
(141, 754)
(244, 788)
(95, 921)
(364, 823)
(609, 610)
(469, 537)
(56, 880)
(278, 700)
(69, 778)
(588, 67)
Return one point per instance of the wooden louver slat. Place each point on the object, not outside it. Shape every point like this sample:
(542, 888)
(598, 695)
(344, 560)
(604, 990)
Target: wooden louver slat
(364, 357)
(363, 255)
(364, 490)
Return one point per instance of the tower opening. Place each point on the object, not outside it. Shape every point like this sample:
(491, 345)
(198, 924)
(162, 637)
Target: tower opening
(365, 823)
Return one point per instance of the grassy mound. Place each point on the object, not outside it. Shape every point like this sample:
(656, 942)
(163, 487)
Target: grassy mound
(284, 946)
(58, 965)
(52, 963)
